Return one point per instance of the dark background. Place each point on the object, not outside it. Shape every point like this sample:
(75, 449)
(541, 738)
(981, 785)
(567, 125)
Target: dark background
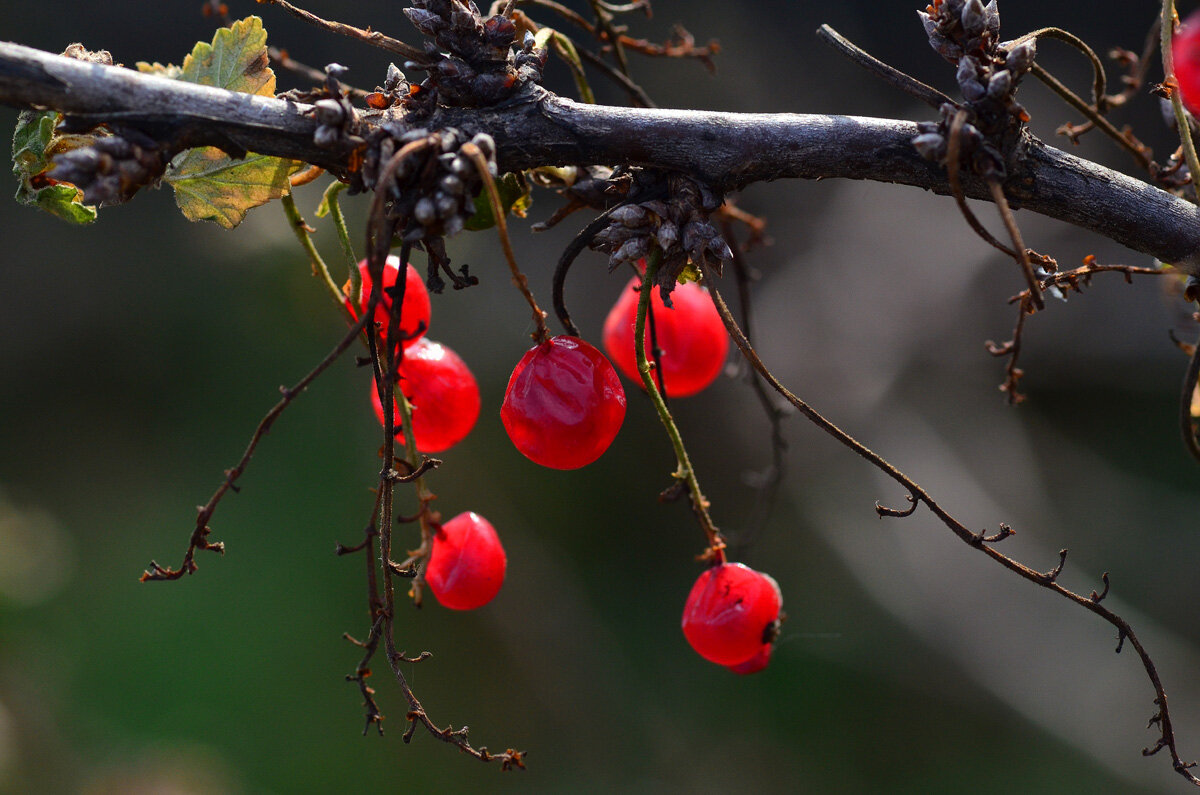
(137, 355)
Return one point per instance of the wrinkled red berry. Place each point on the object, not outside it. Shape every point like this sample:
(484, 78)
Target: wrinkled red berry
(564, 404)
(690, 336)
(731, 613)
(414, 318)
(443, 394)
(466, 566)
(1185, 50)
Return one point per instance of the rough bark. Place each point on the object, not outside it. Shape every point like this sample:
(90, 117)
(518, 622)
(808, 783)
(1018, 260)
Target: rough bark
(728, 150)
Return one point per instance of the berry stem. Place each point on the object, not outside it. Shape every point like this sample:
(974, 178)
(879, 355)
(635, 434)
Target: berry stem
(542, 333)
(320, 269)
(1167, 30)
(330, 200)
(684, 473)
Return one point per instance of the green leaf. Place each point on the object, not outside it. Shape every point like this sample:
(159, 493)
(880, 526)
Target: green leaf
(515, 198)
(35, 142)
(210, 185)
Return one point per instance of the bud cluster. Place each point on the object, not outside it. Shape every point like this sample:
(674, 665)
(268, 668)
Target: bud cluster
(967, 34)
(471, 60)
(111, 168)
(677, 225)
(432, 191)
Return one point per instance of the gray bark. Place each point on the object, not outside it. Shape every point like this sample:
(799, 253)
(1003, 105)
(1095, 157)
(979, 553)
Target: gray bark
(728, 150)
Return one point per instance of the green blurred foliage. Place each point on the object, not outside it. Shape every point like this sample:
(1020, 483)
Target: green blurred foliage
(137, 356)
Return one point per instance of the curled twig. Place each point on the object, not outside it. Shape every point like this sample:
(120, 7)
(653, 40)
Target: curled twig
(567, 259)
(883, 510)
(199, 539)
(1124, 630)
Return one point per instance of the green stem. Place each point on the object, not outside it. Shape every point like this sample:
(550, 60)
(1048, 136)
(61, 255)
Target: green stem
(685, 473)
(300, 229)
(424, 495)
(330, 201)
(1167, 30)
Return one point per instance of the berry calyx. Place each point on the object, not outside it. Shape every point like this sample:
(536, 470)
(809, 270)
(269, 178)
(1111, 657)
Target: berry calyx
(414, 314)
(689, 335)
(731, 613)
(466, 566)
(443, 394)
(564, 404)
(1185, 51)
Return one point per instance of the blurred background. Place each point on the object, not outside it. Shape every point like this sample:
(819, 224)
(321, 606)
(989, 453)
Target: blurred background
(137, 355)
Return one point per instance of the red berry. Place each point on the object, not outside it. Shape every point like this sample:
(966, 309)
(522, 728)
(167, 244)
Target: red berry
(1185, 50)
(731, 613)
(690, 336)
(414, 317)
(564, 404)
(756, 663)
(443, 394)
(466, 567)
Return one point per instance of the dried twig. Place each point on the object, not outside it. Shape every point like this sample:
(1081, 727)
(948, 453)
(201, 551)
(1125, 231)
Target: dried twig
(976, 540)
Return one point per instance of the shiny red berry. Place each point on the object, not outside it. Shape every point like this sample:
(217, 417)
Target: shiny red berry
(466, 567)
(443, 394)
(690, 336)
(756, 663)
(414, 318)
(731, 613)
(1185, 50)
(564, 404)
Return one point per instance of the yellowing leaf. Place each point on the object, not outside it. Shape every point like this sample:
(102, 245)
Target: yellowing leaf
(236, 60)
(170, 70)
(210, 185)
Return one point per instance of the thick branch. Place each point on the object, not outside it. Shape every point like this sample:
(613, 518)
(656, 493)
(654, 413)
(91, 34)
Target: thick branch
(728, 150)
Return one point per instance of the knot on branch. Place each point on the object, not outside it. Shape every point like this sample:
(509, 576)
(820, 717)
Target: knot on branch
(677, 224)
(471, 60)
(967, 33)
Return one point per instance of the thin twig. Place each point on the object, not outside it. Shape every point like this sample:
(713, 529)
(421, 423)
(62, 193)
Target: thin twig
(1099, 80)
(1102, 124)
(1022, 254)
(1167, 30)
(306, 176)
(320, 269)
(330, 200)
(541, 332)
(636, 92)
(199, 539)
(976, 540)
(1187, 424)
(283, 60)
(889, 74)
(684, 473)
(369, 36)
(769, 483)
(568, 257)
(953, 147)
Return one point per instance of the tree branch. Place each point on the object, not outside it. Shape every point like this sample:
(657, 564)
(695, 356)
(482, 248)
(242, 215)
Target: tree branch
(537, 128)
